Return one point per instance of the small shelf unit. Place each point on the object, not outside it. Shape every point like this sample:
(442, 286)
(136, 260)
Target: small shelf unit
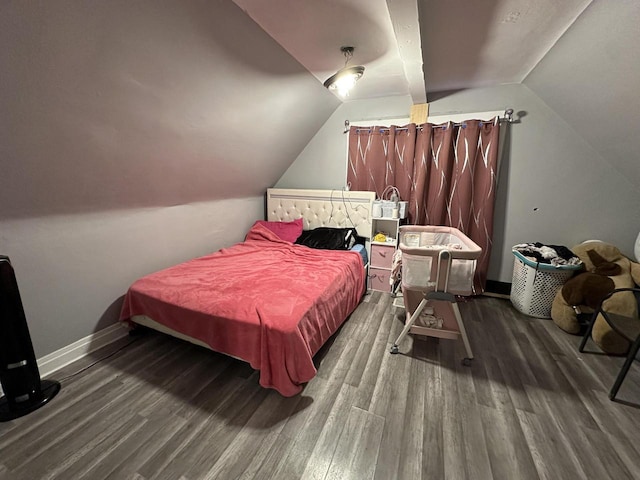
(381, 258)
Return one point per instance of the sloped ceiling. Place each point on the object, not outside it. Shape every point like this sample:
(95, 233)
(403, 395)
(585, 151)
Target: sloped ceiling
(120, 104)
(313, 31)
(489, 42)
(579, 56)
(413, 47)
(591, 79)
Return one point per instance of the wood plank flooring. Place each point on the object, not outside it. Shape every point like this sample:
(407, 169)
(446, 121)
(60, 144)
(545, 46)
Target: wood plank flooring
(529, 407)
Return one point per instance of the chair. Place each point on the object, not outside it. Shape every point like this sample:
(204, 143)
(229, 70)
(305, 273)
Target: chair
(627, 327)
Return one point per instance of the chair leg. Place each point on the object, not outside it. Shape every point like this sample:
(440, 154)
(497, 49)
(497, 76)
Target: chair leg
(587, 334)
(633, 351)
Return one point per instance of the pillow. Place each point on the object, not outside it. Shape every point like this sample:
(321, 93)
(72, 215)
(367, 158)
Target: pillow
(288, 231)
(328, 238)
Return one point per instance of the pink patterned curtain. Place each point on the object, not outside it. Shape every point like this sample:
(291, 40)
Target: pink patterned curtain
(383, 156)
(446, 172)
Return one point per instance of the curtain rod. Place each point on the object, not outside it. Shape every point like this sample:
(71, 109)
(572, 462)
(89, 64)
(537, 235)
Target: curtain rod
(508, 118)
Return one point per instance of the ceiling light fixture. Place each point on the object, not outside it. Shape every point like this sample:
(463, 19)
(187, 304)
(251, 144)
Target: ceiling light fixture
(345, 78)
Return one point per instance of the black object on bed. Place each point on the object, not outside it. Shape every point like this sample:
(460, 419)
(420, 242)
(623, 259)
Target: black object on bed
(329, 238)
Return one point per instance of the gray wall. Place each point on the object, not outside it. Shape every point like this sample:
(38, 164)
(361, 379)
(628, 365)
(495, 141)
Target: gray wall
(553, 187)
(134, 135)
(591, 77)
(73, 269)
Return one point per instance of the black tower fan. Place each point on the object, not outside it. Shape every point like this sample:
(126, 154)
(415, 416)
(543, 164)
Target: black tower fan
(24, 392)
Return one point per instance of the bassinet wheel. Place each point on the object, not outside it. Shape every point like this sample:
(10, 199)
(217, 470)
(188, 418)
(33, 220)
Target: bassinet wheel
(394, 349)
(466, 361)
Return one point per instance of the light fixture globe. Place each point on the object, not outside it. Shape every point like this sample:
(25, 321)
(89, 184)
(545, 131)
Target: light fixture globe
(345, 78)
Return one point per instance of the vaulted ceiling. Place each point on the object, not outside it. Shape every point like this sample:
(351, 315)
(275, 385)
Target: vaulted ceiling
(418, 46)
(133, 104)
(578, 56)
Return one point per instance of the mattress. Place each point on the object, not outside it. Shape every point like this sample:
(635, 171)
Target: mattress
(266, 301)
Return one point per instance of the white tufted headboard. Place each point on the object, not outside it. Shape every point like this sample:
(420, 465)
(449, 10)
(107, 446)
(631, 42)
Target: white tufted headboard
(322, 208)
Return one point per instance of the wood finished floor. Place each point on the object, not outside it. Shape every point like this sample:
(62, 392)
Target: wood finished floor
(529, 407)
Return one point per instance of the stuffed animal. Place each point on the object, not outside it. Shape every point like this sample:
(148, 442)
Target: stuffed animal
(605, 270)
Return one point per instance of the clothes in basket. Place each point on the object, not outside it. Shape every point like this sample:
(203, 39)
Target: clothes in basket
(539, 271)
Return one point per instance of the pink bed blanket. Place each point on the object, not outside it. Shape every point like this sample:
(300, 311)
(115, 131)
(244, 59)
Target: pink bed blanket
(265, 300)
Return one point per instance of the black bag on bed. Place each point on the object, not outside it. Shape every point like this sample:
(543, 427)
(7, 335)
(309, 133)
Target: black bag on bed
(329, 238)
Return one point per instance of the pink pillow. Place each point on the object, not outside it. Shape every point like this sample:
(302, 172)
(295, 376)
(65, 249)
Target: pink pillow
(289, 231)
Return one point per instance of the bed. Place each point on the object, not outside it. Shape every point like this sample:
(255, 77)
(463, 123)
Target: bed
(266, 300)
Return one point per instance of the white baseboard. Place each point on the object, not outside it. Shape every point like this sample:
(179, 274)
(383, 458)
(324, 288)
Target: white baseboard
(83, 347)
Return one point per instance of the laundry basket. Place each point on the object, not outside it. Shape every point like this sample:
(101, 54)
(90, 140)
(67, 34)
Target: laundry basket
(534, 285)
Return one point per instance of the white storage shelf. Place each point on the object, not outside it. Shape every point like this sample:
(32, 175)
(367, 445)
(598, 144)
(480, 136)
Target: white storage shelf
(381, 254)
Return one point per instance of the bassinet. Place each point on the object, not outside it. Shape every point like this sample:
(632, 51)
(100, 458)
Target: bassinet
(438, 263)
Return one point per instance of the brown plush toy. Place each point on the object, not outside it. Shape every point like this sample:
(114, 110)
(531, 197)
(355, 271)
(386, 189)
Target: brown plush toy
(587, 289)
(605, 269)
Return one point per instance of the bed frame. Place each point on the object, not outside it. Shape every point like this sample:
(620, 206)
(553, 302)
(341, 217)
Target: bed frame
(322, 208)
(318, 208)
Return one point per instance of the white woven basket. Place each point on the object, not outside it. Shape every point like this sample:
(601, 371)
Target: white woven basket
(534, 286)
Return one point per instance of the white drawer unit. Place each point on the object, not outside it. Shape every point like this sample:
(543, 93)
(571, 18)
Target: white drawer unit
(382, 252)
